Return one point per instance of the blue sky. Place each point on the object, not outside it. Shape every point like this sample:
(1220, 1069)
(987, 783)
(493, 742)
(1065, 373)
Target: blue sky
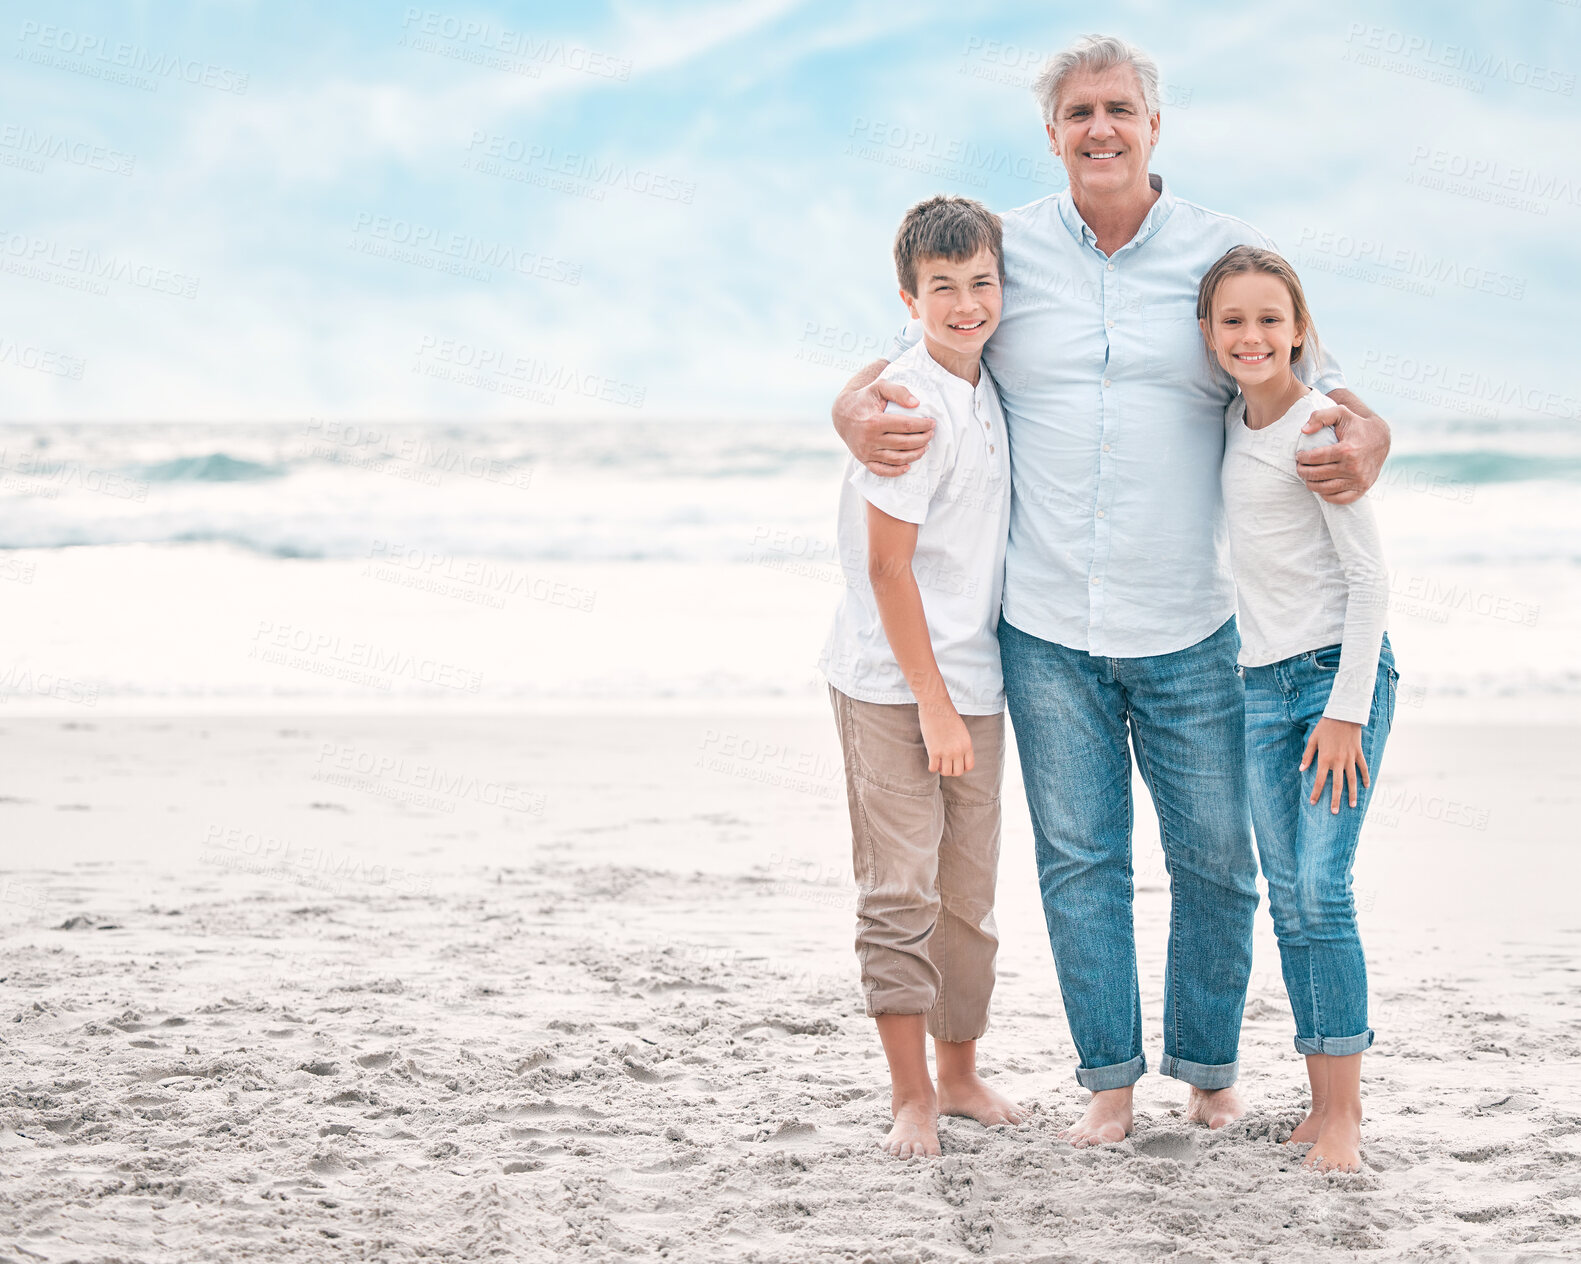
(247, 211)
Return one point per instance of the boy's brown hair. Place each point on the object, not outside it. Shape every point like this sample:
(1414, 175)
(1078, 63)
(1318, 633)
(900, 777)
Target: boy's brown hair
(949, 227)
(1239, 259)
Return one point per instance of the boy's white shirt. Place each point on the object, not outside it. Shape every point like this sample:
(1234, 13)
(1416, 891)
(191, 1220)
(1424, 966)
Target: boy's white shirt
(958, 493)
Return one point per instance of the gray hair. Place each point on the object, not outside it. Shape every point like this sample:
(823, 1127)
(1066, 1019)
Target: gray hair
(1095, 52)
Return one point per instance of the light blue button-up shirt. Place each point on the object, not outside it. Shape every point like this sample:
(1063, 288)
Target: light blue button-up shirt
(1115, 415)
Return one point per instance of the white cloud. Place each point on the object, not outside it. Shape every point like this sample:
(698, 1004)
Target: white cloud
(707, 304)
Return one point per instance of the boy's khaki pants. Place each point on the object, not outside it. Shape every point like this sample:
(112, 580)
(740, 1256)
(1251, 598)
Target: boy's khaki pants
(926, 853)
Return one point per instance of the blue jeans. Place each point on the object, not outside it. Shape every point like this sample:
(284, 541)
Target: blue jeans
(1307, 851)
(1184, 713)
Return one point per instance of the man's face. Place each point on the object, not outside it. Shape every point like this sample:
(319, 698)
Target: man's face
(1102, 133)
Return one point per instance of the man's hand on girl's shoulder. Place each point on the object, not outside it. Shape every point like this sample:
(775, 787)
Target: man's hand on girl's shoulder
(1342, 471)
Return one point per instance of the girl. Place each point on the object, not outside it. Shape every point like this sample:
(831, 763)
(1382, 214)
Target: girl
(1320, 679)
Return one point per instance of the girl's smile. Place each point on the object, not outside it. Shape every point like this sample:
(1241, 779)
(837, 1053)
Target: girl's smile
(1252, 332)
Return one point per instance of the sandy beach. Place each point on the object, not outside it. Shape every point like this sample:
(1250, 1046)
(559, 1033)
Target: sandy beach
(432, 986)
(423, 832)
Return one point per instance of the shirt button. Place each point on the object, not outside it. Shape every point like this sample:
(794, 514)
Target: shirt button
(1100, 513)
(1106, 382)
(1106, 447)
(1095, 581)
(1108, 324)
(1111, 269)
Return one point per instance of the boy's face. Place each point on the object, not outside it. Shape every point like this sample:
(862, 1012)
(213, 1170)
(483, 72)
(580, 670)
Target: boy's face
(958, 303)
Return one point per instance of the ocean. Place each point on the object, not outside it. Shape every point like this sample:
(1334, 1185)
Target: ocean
(647, 564)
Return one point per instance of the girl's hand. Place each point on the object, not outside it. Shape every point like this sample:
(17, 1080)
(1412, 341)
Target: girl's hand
(949, 744)
(1337, 744)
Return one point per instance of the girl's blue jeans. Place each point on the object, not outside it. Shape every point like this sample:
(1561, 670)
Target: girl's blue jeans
(1306, 850)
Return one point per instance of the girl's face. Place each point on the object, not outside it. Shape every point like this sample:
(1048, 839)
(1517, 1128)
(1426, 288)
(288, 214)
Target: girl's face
(1252, 328)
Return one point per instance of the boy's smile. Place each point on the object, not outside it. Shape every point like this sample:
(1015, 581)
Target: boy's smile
(959, 307)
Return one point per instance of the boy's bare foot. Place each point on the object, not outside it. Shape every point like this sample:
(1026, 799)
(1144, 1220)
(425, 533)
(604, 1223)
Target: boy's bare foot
(1338, 1144)
(1106, 1121)
(911, 1099)
(915, 1134)
(1215, 1107)
(969, 1096)
(1307, 1129)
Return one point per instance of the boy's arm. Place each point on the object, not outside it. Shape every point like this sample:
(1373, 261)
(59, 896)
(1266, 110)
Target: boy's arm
(891, 542)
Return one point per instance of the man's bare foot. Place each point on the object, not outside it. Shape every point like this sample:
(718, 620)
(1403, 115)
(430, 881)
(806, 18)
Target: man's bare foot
(1215, 1107)
(969, 1096)
(1338, 1144)
(1307, 1129)
(915, 1134)
(1106, 1121)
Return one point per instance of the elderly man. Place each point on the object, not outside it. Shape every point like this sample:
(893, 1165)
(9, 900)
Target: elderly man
(1118, 618)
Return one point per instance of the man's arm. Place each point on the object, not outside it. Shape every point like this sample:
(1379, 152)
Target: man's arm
(1341, 472)
(887, 443)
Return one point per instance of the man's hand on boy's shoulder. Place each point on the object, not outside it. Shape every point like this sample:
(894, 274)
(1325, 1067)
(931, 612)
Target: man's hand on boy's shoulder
(885, 442)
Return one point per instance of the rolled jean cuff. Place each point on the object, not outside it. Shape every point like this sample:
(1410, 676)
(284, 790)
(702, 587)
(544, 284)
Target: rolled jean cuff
(1334, 1046)
(1200, 1074)
(1119, 1075)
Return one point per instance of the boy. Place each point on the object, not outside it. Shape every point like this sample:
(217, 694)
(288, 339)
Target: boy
(913, 669)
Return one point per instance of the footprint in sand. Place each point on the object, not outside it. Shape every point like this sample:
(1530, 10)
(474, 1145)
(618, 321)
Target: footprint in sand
(1504, 1103)
(1180, 1146)
(1480, 1155)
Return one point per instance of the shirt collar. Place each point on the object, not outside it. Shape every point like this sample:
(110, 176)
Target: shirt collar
(942, 377)
(1151, 223)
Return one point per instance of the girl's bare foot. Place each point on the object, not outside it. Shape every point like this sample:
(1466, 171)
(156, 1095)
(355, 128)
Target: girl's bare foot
(1214, 1107)
(1307, 1129)
(1317, 1079)
(1338, 1144)
(915, 1134)
(969, 1096)
(1106, 1121)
